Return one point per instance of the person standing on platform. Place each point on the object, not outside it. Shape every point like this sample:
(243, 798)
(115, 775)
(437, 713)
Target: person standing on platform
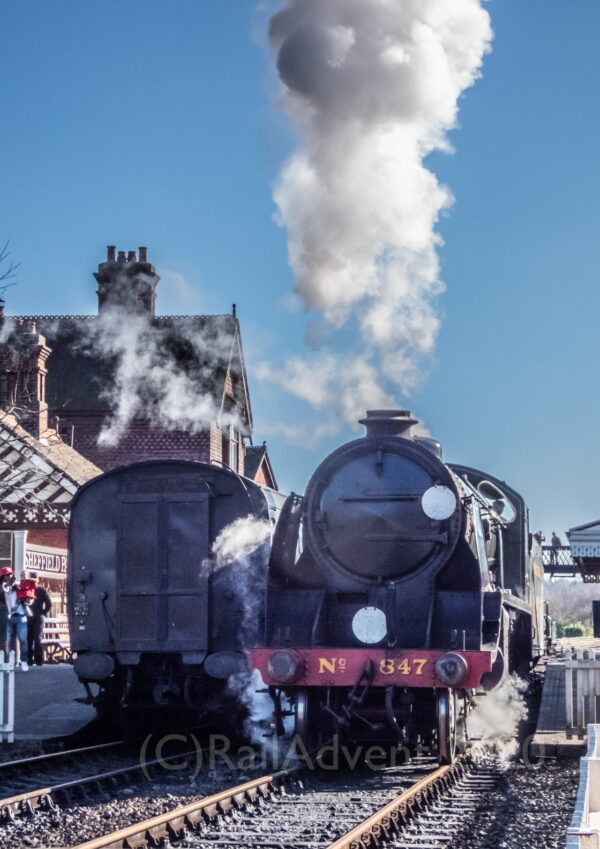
(18, 614)
(40, 608)
(5, 578)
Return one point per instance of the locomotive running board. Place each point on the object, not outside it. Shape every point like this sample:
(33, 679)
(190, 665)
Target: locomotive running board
(514, 601)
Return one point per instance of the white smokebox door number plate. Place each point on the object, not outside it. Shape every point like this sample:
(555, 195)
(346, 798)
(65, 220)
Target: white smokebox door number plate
(438, 502)
(369, 625)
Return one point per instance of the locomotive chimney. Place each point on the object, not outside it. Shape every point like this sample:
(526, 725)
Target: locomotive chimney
(388, 423)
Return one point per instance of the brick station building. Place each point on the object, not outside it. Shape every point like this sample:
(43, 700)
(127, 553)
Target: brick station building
(64, 378)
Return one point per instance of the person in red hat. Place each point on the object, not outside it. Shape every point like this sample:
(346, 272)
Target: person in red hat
(18, 614)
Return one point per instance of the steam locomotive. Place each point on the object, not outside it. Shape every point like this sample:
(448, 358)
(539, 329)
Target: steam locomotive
(418, 589)
(157, 629)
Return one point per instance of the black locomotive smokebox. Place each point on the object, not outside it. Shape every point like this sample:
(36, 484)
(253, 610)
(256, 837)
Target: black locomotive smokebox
(383, 506)
(93, 666)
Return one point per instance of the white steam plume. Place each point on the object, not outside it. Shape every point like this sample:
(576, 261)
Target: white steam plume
(243, 543)
(240, 539)
(161, 371)
(372, 87)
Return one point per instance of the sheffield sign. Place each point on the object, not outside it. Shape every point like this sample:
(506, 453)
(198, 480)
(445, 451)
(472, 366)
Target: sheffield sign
(47, 562)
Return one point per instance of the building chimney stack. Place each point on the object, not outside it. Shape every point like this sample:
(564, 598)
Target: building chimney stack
(128, 282)
(23, 376)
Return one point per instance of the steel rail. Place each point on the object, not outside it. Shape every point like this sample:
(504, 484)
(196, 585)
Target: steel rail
(387, 821)
(370, 833)
(35, 760)
(191, 815)
(42, 797)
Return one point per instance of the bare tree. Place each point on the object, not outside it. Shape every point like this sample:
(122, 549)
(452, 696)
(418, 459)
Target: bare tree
(570, 602)
(9, 272)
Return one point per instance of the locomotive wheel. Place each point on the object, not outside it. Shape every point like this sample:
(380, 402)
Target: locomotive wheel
(302, 714)
(446, 720)
(310, 724)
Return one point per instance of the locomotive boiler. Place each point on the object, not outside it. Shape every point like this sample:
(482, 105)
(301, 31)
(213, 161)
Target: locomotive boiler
(157, 629)
(417, 588)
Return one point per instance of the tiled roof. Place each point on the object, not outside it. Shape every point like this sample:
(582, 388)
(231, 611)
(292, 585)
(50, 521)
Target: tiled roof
(255, 457)
(38, 477)
(157, 318)
(252, 459)
(79, 379)
(584, 527)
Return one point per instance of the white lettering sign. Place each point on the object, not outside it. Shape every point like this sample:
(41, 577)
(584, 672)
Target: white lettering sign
(47, 562)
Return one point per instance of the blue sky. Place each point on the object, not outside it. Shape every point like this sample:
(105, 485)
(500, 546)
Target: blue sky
(146, 122)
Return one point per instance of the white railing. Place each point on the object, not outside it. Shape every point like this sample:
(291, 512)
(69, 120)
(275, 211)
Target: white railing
(7, 697)
(582, 690)
(584, 831)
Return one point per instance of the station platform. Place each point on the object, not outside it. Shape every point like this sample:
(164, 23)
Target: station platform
(45, 703)
(550, 739)
(579, 643)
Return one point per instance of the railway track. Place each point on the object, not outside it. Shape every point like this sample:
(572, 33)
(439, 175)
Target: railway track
(25, 773)
(430, 814)
(418, 804)
(74, 772)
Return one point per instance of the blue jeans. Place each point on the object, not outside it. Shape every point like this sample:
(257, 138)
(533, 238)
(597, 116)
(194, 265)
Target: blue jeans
(17, 630)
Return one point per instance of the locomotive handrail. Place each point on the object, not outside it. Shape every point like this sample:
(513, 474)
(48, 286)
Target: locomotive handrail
(475, 495)
(434, 537)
